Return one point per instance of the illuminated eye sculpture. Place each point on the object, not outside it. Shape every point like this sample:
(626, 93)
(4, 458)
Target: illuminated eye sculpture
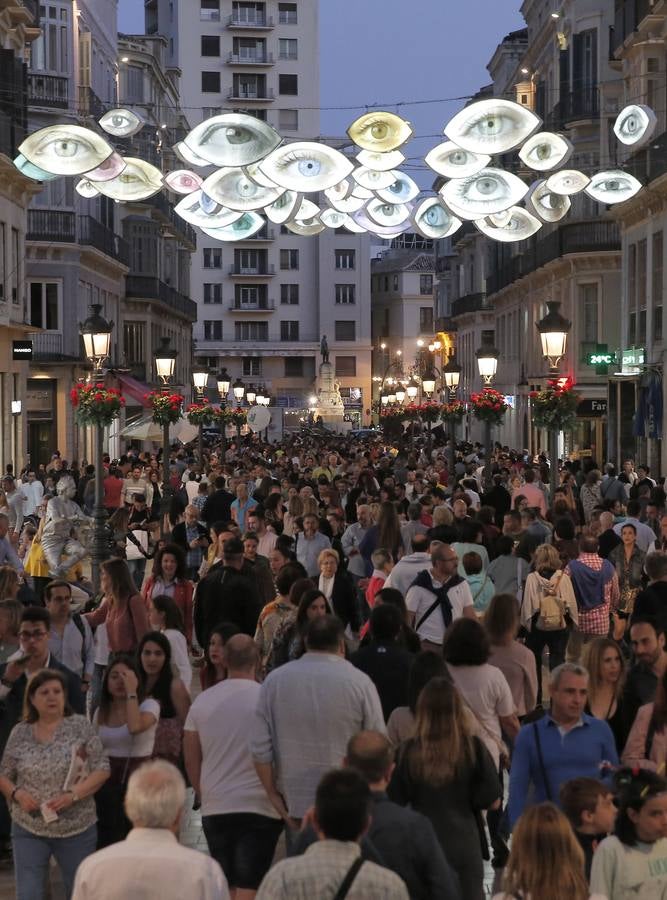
(387, 214)
(492, 126)
(65, 149)
(452, 161)
(121, 123)
(32, 171)
(244, 227)
(182, 181)
(380, 132)
(546, 205)
(234, 189)
(545, 151)
(108, 170)
(372, 179)
(380, 162)
(402, 189)
(232, 139)
(520, 224)
(612, 187)
(86, 189)
(139, 180)
(567, 181)
(635, 124)
(306, 166)
(199, 209)
(189, 157)
(433, 220)
(284, 208)
(490, 191)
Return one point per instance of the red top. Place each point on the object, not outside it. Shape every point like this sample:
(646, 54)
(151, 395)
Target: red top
(112, 488)
(126, 623)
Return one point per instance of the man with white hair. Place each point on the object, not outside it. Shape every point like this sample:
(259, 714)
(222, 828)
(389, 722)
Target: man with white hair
(150, 862)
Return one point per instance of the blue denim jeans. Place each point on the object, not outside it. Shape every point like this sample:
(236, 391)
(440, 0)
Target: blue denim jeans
(32, 855)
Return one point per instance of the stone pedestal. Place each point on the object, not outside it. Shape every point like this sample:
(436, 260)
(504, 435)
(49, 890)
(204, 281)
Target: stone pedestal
(329, 408)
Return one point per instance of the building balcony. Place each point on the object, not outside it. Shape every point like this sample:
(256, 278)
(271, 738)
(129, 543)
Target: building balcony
(238, 306)
(651, 162)
(52, 225)
(629, 15)
(92, 233)
(469, 304)
(252, 271)
(49, 346)
(261, 95)
(88, 103)
(264, 234)
(259, 21)
(255, 59)
(575, 237)
(48, 90)
(147, 287)
(176, 227)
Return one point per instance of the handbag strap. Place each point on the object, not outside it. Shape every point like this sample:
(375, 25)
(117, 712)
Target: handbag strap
(346, 884)
(538, 745)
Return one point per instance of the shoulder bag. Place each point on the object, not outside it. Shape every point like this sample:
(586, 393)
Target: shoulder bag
(346, 884)
(540, 759)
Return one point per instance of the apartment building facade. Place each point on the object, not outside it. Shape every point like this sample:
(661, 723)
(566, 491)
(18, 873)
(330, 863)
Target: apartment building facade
(264, 304)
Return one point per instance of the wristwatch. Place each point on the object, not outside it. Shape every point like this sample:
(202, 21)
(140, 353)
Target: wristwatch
(75, 797)
(131, 697)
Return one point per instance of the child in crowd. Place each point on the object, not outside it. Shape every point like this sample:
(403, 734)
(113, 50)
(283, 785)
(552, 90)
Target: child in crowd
(631, 864)
(383, 563)
(589, 805)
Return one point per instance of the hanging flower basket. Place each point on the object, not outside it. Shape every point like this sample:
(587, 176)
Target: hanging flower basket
(237, 416)
(95, 404)
(555, 407)
(221, 416)
(392, 419)
(166, 407)
(488, 406)
(200, 414)
(453, 412)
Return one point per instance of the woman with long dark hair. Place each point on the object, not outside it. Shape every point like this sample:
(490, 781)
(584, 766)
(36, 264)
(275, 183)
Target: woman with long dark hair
(289, 640)
(448, 775)
(122, 608)
(214, 670)
(386, 533)
(158, 681)
(168, 577)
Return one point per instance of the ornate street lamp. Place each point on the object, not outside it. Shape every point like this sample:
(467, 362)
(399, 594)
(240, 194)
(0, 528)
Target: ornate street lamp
(428, 383)
(96, 334)
(251, 396)
(239, 390)
(553, 329)
(200, 381)
(487, 362)
(165, 366)
(223, 381)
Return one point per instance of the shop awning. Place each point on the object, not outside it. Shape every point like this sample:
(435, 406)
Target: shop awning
(135, 390)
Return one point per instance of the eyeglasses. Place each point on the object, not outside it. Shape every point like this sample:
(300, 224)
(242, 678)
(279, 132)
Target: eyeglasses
(32, 635)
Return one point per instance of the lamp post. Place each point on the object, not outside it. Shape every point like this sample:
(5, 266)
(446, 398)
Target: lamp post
(223, 381)
(553, 330)
(265, 400)
(239, 390)
(428, 384)
(200, 381)
(451, 374)
(96, 334)
(165, 364)
(487, 363)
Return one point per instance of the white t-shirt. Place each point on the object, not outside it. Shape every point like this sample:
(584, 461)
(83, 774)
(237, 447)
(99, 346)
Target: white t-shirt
(484, 689)
(101, 645)
(223, 717)
(419, 600)
(117, 740)
(179, 656)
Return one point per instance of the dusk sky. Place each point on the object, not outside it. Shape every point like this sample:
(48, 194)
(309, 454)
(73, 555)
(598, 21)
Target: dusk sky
(379, 52)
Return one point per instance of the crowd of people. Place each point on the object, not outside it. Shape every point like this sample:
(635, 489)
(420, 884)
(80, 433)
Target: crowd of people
(398, 667)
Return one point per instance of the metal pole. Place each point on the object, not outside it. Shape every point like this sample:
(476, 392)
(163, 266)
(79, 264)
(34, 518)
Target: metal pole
(166, 487)
(99, 553)
(201, 443)
(452, 449)
(553, 464)
(487, 455)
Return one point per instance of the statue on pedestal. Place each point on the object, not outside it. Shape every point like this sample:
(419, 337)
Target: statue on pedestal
(62, 514)
(324, 349)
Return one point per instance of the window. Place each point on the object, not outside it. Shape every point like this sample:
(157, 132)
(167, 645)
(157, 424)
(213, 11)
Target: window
(288, 84)
(632, 329)
(212, 330)
(641, 336)
(250, 49)
(346, 366)
(345, 293)
(210, 82)
(588, 303)
(44, 305)
(288, 119)
(210, 45)
(425, 284)
(248, 13)
(426, 320)
(345, 259)
(212, 293)
(257, 113)
(385, 282)
(656, 284)
(289, 294)
(212, 257)
(251, 331)
(134, 80)
(289, 259)
(632, 276)
(252, 365)
(210, 11)
(294, 367)
(134, 342)
(346, 330)
(641, 272)
(16, 271)
(252, 295)
(395, 283)
(288, 48)
(289, 331)
(249, 85)
(209, 111)
(287, 14)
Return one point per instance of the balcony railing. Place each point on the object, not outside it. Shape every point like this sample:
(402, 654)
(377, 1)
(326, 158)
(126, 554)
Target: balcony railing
(53, 225)
(628, 16)
(48, 90)
(259, 271)
(469, 304)
(650, 162)
(93, 234)
(146, 287)
(47, 346)
(252, 95)
(576, 237)
(259, 20)
(252, 59)
(259, 306)
(89, 104)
